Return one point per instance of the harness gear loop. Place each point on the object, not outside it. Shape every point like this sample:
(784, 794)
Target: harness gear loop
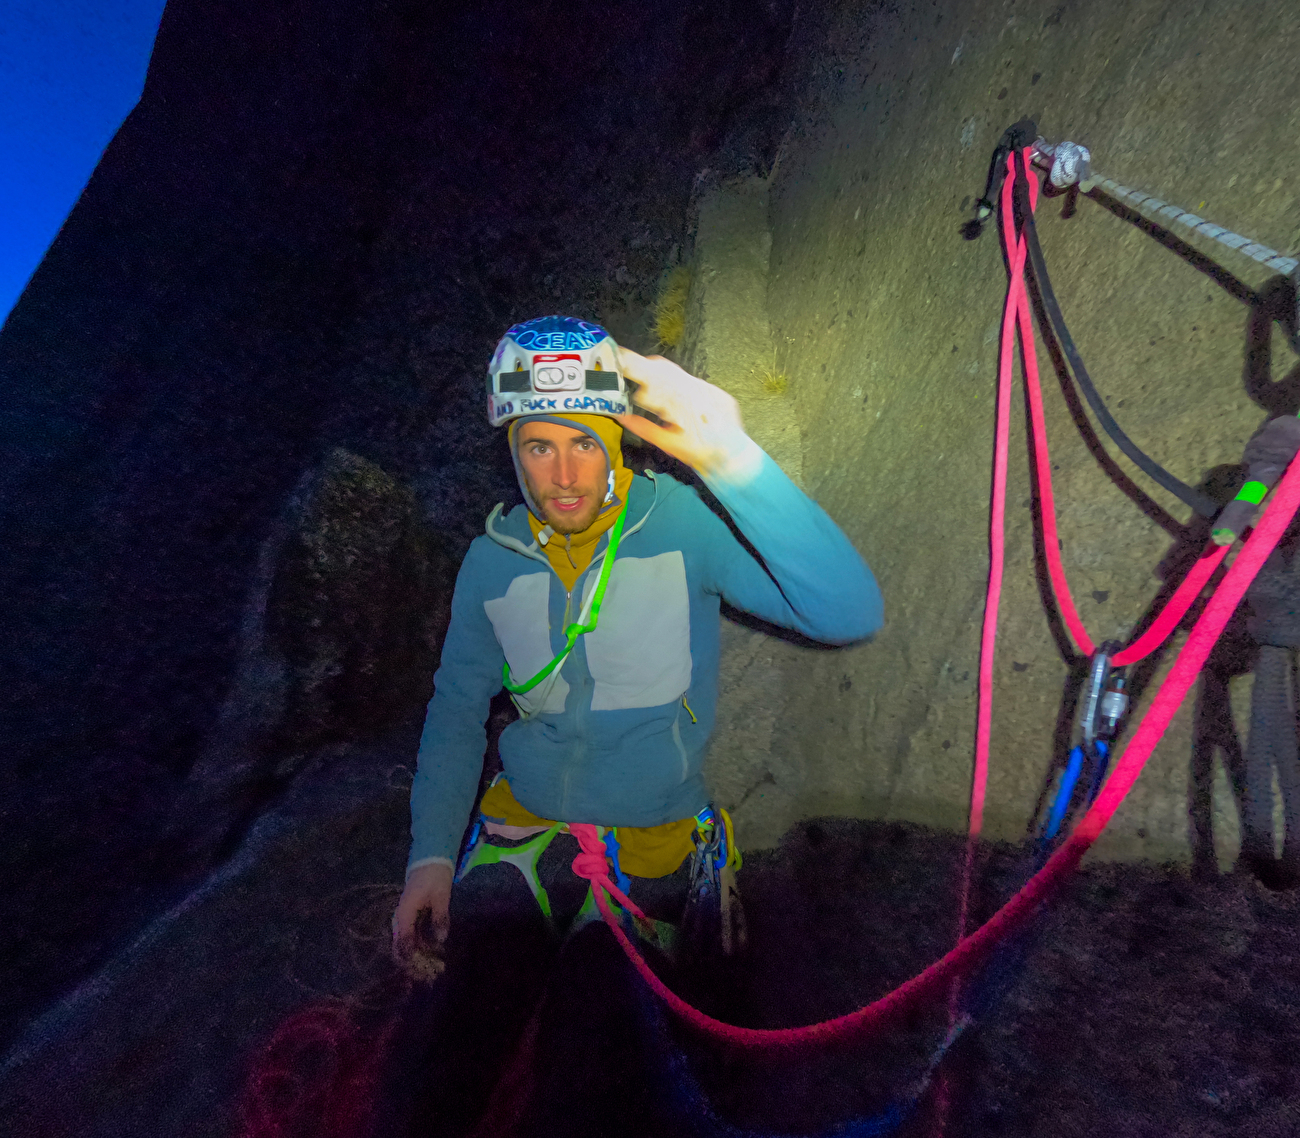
(578, 628)
(713, 910)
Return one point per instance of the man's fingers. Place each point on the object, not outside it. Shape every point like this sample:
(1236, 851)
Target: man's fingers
(441, 924)
(658, 380)
(408, 911)
(642, 427)
(409, 940)
(404, 919)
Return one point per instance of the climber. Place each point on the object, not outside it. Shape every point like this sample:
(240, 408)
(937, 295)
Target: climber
(615, 719)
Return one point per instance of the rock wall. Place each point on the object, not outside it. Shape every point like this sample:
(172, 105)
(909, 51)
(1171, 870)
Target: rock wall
(885, 322)
(729, 342)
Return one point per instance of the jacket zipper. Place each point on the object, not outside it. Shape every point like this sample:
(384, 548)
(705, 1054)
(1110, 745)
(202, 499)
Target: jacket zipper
(677, 738)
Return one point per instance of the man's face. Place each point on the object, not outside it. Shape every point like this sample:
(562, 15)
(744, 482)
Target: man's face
(566, 474)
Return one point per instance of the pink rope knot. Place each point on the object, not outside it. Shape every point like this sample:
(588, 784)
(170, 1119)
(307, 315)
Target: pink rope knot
(593, 865)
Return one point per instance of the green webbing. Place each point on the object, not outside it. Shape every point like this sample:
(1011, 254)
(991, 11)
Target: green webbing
(523, 857)
(575, 630)
(1252, 492)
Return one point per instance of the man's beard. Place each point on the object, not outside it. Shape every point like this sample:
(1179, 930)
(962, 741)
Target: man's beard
(570, 523)
(567, 524)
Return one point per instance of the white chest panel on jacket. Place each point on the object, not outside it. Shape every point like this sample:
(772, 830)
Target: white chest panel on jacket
(640, 653)
(522, 624)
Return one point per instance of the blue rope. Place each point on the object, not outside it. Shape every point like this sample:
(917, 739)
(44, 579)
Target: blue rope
(1064, 793)
(621, 879)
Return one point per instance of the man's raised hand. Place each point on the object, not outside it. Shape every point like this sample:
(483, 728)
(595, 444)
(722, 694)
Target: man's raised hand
(701, 423)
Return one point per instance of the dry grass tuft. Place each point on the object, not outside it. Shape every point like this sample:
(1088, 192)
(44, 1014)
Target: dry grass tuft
(774, 381)
(670, 308)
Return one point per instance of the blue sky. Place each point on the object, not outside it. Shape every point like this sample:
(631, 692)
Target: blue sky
(70, 72)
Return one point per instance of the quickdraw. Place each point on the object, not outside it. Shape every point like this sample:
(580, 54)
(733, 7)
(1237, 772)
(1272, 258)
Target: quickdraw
(714, 914)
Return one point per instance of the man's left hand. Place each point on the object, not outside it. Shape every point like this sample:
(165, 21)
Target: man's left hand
(701, 422)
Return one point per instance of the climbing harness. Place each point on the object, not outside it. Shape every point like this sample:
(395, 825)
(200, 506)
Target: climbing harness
(713, 917)
(586, 621)
(523, 856)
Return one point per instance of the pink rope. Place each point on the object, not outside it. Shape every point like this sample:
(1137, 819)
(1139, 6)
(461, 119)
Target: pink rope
(1038, 425)
(318, 1074)
(993, 594)
(593, 864)
(1187, 592)
(1281, 509)
(997, 541)
(1176, 607)
(972, 949)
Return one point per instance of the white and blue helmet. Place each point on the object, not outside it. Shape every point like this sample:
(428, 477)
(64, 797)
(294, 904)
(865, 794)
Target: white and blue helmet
(553, 365)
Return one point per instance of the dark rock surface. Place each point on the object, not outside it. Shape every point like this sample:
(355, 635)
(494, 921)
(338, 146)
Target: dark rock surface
(1147, 1003)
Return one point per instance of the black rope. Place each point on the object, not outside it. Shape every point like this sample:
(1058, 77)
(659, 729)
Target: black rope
(1201, 503)
(1015, 137)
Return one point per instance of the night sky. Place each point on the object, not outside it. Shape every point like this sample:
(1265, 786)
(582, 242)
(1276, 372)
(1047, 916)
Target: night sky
(70, 72)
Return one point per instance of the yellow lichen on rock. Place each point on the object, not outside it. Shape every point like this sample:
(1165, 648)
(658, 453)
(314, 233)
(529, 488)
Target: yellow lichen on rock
(670, 308)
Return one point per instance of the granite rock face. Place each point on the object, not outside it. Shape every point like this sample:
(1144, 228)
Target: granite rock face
(886, 323)
(340, 640)
(360, 592)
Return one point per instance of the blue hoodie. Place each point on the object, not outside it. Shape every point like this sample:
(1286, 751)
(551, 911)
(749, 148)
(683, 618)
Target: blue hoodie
(607, 739)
